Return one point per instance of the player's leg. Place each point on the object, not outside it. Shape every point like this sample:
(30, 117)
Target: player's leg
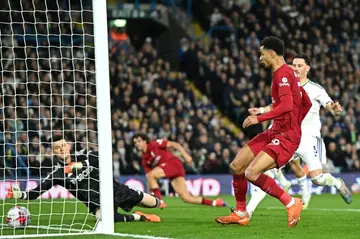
(240, 184)
(126, 198)
(180, 188)
(278, 175)
(266, 160)
(149, 201)
(257, 195)
(136, 216)
(302, 179)
(152, 180)
(314, 160)
(326, 179)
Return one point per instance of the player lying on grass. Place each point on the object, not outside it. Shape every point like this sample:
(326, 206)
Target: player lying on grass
(274, 147)
(311, 149)
(79, 174)
(159, 162)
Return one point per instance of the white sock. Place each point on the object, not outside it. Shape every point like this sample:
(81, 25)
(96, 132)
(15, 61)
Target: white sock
(303, 184)
(326, 179)
(136, 216)
(240, 213)
(281, 178)
(292, 202)
(256, 197)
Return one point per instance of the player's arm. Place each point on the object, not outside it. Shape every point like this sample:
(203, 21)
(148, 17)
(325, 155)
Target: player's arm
(306, 103)
(45, 185)
(286, 105)
(260, 110)
(146, 166)
(333, 107)
(178, 147)
(91, 159)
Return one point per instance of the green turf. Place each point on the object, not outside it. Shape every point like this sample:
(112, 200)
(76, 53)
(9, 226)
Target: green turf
(180, 220)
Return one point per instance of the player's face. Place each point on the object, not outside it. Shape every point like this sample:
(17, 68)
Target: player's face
(61, 149)
(139, 144)
(265, 57)
(300, 68)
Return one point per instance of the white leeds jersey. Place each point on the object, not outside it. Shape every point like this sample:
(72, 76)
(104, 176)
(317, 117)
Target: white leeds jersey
(311, 124)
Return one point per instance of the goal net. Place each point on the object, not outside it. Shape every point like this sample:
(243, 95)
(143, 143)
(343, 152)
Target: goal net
(48, 86)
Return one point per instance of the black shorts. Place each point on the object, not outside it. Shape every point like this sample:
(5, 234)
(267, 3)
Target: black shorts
(125, 197)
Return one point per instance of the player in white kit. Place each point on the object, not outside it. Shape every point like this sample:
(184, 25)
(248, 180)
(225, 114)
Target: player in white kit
(311, 149)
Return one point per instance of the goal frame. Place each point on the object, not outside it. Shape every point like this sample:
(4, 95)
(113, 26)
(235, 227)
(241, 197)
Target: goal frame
(105, 224)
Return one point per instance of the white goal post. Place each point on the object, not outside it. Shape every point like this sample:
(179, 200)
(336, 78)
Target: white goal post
(54, 75)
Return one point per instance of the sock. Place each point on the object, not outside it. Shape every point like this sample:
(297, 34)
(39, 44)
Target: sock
(157, 193)
(240, 186)
(303, 184)
(281, 178)
(326, 179)
(123, 217)
(137, 217)
(206, 201)
(256, 197)
(269, 185)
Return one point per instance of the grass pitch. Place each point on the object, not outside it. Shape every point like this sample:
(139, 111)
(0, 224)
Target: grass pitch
(327, 217)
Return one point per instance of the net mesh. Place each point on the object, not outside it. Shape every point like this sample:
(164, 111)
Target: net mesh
(47, 85)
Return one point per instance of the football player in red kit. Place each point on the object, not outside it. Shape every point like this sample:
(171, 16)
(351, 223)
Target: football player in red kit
(159, 162)
(274, 147)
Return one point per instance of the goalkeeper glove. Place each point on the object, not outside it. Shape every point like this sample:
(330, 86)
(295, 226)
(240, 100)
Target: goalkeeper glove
(73, 167)
(14, 192)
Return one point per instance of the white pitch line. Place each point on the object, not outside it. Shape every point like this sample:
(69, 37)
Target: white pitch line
(139, 236)
(80, 234)
(321, 209)
(76, 232)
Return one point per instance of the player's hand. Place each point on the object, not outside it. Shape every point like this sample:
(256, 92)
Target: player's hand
(254, 111)
(188, 159)
(14, 192)
(76, 166)
(250, 120)
(336, 107)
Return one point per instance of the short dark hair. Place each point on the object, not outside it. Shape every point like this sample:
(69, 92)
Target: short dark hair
(304, 57)
(142, 136)
(273, 43)
(56, 137)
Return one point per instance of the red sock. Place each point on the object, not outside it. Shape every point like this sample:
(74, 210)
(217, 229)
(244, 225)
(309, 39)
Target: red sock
(269, 186)
(157, 193)
(240, 186)
(206, 201)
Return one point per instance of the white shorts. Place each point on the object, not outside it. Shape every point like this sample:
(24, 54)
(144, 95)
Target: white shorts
(312, 151)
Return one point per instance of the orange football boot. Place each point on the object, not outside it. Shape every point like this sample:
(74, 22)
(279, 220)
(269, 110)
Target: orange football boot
(162, 205)
(294, 212)
(149, 217)
(233, 218)
(220, 203)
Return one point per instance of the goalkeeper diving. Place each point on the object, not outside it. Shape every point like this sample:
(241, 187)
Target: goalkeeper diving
(79, 173)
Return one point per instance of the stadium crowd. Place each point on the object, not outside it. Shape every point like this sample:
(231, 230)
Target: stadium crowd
(40, 96)
(327, 31)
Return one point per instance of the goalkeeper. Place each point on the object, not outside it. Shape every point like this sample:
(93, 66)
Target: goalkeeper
(79, 174)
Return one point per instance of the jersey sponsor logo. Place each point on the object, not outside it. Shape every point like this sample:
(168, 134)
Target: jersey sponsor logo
(84, 174)
(159, 141)
(284, 82)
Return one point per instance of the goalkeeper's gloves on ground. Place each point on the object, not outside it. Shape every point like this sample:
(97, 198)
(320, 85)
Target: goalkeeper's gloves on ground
(14, 192)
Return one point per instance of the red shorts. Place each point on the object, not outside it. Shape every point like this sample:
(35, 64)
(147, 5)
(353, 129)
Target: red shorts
(173, 168)
(277, 146)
